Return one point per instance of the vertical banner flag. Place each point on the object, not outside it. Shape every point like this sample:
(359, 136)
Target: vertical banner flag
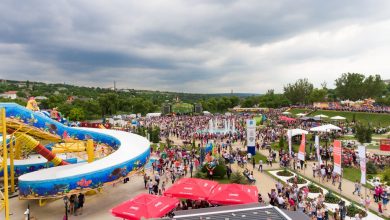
(289, 136)
(362, 157)
(317, 146)
(302, 147)
(251, 136)
(337, 156)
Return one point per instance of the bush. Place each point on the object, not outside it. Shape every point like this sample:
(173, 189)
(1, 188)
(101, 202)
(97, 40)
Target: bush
(238, 178)
(363, 133)
(331, 198)
(300, 180)
(200, 175)
(314, 189)
(284, 173)
(369, 176)
(386, 175)
(352, 210)
(371, 168)
(219, 170)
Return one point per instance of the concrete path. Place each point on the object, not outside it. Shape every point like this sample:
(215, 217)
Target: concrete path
(347, 186)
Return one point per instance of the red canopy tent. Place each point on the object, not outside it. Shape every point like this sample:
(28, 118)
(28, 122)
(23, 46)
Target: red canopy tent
(232, 194)
(191, 188)
(287, 119)
(145, 206)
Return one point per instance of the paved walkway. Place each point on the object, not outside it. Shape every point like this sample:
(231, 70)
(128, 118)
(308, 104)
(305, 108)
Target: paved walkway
(347, 186)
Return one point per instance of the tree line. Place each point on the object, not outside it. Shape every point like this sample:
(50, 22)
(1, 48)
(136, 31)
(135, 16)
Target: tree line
(95, 102)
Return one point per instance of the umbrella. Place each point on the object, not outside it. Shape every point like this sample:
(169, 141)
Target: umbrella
(145, 206)
(284, 118)
(286, 113)
(337, 118)
(301, 114)
(321, 116)
(191, 188)
(232, 194)
(325, 128)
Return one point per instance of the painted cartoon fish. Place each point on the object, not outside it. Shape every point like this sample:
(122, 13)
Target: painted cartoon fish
(87, 136)
(52, 128)
(32, 120)
(118, 172)
(65, 135)
(61, 187)
(84, 183)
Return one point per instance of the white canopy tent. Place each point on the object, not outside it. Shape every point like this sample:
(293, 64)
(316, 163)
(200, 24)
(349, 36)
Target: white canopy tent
(325, 128)
(321, 116)
(301, 114)
(338, 118)
(286, 113)
(298, 131)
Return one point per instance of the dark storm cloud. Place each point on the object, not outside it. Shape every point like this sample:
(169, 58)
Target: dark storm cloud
(196, 45)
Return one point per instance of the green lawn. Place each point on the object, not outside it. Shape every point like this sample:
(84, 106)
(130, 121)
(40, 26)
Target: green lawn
(258, 157)
(352, 174)
(364, 117)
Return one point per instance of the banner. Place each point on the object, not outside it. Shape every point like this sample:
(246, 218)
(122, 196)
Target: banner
(337, 156)
(302, 147)
(317, 146)
(289, 136)
(251, 136)
(362, 158)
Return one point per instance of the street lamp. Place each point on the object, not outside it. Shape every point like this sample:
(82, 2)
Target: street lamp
(66, 200)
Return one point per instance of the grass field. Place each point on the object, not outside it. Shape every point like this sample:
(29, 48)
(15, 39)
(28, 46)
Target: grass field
(374, 118)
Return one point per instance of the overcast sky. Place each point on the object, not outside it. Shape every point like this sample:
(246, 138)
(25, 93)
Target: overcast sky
(203, 46)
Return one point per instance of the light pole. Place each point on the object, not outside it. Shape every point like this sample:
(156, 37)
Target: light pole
(66, 199)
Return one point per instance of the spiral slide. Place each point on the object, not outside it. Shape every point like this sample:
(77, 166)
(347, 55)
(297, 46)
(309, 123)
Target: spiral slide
(131, 152)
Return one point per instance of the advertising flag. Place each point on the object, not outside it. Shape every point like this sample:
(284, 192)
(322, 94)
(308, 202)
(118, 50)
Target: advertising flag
(302, 147)
(337, 156)
(251, 136)
(317, 146)
(362, 157)
(289, 136)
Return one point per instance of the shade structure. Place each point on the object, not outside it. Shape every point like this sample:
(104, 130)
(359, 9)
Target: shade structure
(145, 206)
(325, 128)
(338, 118)
(233, 194)
(321, 116)
(298, 131)
(286, 113)
(191, 188)
(300, 114)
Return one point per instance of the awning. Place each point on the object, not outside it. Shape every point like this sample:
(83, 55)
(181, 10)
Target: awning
(191, 188)
(145, 206)
(233, 194)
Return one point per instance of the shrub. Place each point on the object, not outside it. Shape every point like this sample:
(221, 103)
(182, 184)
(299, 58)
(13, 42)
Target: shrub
(352, 210)
(386, 175)
(331, 198)
(200, 175)
(314, 189)
(238, 178)
(371, 168)
(369, 176)
(300, 180)
(284, 173)
(219, 170)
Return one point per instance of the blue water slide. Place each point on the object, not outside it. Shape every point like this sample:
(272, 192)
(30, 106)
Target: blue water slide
(131, 152)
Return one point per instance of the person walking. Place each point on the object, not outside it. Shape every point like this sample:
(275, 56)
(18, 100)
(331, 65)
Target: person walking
(261, 165)
(81, 198)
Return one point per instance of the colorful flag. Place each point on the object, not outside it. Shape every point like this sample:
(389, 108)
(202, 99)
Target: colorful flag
(317, 146)
(362, 158)
(302, 147)
(289, 136)
(337, 156)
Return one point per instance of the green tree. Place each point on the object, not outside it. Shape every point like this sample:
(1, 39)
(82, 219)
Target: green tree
(108, 103)
(299, 92)
(76, 114)
(318, 95)
(374, 86)
(355, 86)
